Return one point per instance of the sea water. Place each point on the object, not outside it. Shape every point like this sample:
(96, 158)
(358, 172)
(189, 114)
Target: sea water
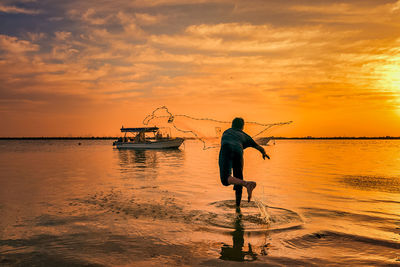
(321, 202)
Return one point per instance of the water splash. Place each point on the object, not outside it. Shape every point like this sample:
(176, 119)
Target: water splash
(263, 211)
(262, 207)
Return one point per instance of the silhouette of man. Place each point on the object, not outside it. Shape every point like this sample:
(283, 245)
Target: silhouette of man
(233, 142)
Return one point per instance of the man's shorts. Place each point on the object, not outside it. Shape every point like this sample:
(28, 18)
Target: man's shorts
(230, 158)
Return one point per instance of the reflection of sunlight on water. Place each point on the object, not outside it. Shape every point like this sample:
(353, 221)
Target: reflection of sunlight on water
(372, 183)
(168, 207)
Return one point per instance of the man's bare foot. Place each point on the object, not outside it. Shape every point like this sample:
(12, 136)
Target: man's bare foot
(250, 187)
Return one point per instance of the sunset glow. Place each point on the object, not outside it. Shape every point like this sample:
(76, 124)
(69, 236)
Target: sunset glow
(392, 76)
(81, 68)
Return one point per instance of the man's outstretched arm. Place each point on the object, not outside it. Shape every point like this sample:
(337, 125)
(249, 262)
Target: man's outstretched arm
(262, 151)
(254, 144)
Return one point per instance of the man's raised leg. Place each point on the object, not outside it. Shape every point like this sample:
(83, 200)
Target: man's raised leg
(248, 184)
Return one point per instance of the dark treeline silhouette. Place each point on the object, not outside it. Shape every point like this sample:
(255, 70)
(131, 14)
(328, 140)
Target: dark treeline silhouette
(61, 138)
(270, 137)
(334, 137)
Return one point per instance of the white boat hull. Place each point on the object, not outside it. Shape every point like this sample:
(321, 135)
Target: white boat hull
(159, 144)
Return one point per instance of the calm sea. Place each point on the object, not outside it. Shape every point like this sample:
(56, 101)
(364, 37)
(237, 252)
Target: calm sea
(329, 202)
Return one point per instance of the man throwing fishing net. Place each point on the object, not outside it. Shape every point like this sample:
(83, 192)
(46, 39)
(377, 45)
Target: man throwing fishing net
(233, 142)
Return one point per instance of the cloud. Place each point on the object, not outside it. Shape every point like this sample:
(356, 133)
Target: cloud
(396, 6)
(286, 55)
(148, 19)
(130, 25)
(341, 8)
(17, 10)
(36, 36)
(14, 45)
(62, 35)
(247, 38)
(56, 18)
(91, 17)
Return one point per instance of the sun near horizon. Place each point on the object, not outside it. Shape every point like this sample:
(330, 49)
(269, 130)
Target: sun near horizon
(83, 68)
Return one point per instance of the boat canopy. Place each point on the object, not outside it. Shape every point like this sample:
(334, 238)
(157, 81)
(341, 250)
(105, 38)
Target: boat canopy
(141, 129)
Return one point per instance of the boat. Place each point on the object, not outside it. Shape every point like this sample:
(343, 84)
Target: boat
(264, 141)
(147, 138)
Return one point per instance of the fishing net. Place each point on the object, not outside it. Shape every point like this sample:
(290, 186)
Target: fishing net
(206, 130)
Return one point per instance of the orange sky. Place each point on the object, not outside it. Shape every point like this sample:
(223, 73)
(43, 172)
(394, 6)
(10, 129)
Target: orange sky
(87, 67)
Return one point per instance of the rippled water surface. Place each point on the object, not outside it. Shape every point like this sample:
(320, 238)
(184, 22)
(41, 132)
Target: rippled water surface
(330, 203)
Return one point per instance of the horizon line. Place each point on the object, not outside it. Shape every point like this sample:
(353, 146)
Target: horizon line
(192, 138)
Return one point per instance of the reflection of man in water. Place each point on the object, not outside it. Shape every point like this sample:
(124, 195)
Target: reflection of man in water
(236, 253)
(233, 142)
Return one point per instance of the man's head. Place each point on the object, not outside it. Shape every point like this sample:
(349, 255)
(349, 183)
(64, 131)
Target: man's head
(238, 123)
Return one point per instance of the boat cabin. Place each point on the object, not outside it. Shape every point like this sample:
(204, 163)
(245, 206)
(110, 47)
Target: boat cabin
(139, 134)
